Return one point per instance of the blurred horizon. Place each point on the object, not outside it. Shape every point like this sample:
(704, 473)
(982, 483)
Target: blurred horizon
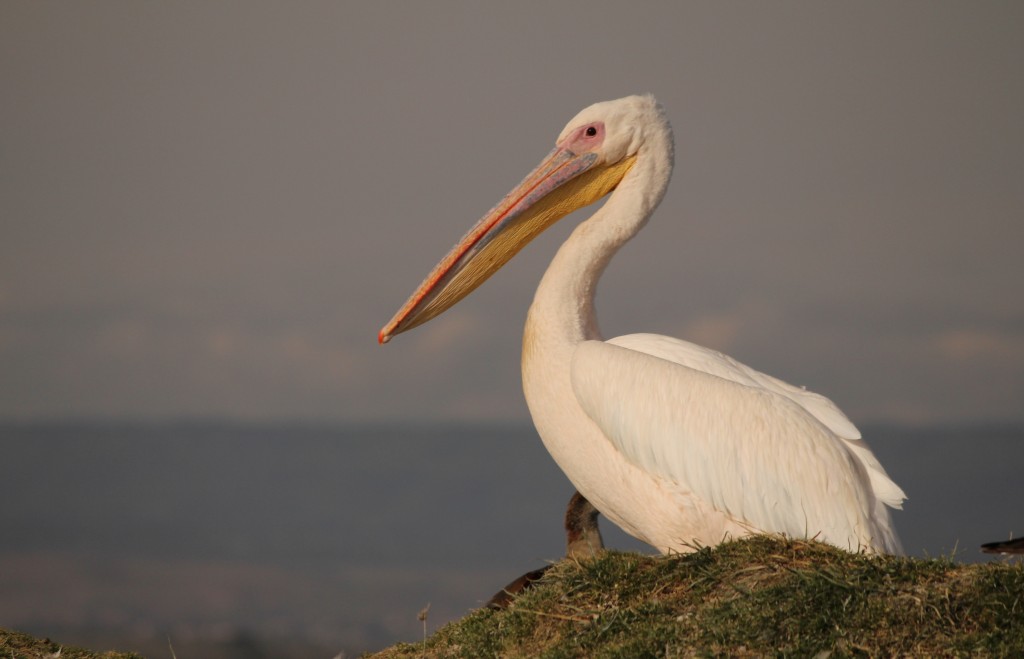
(291, 540)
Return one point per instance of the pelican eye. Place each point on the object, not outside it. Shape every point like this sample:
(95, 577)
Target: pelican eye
(591, 131)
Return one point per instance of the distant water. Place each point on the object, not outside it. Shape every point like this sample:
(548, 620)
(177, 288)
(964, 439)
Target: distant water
(290, 540)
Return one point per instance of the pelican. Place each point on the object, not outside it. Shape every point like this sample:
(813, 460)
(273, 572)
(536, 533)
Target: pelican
(679, 445)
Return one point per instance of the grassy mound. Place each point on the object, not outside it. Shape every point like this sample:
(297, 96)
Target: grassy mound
(755, 597)
(23, 646)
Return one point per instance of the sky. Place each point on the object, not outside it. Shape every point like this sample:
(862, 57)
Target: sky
(210, 209)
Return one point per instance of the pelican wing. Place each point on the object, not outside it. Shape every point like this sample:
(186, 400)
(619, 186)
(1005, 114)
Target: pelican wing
(821, 408)
(768, 454)
(713, 362)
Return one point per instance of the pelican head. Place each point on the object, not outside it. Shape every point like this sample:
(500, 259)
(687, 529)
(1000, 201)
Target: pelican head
(591, 157)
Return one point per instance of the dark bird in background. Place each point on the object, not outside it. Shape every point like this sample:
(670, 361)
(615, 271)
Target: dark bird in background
(582, 540)
(1004, 547)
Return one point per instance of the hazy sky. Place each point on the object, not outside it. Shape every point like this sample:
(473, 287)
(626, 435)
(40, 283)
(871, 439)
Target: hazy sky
(211, 208)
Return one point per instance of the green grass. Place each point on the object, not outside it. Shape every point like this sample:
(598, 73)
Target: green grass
(755, 597)
(14, 645)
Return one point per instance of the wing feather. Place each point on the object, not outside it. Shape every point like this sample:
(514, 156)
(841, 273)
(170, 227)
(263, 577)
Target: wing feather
(744, 442)
(824, 410)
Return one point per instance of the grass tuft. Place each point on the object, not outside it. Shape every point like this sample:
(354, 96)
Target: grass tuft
(15, 645)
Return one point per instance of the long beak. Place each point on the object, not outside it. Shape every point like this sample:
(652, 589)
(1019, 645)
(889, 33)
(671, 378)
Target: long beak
(562, 183)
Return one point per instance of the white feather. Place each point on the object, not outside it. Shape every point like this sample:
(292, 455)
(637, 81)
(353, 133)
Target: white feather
(743, 441)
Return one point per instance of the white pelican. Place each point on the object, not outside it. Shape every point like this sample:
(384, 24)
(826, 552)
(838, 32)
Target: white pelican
(677, 444)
